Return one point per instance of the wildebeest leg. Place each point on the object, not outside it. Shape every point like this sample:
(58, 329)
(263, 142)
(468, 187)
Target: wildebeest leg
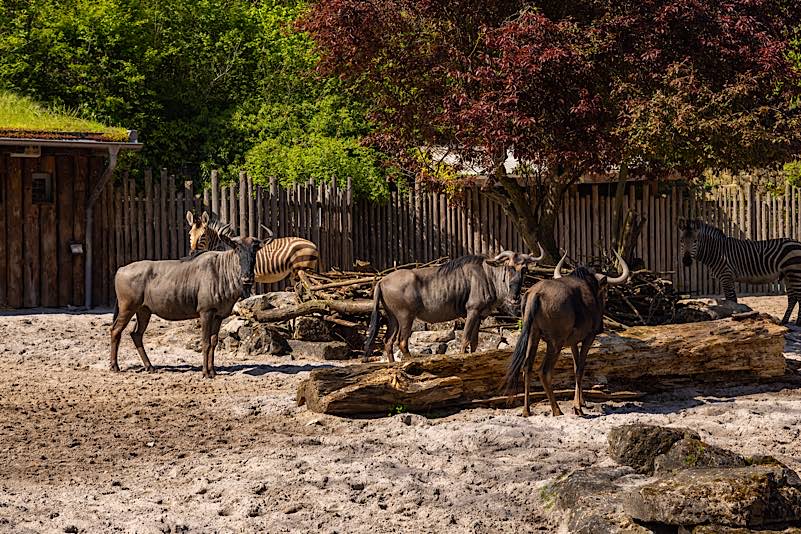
(391, 336)
(404, 333)
(546, 372)
(215, 331)
(123, 318)
(470, 334)
(531, 355)
(142, 320)
(206, 320)
(585, 349)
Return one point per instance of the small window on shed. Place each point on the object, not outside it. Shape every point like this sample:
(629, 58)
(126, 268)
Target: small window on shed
(42, 188)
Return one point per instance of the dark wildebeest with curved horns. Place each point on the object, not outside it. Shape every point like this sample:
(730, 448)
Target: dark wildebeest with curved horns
(205, 285)
(470, 286)
(563, 311)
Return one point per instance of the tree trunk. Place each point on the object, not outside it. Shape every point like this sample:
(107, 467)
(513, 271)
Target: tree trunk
(656, 358)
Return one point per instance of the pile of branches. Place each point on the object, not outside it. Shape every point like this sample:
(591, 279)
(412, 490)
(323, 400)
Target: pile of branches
(647, 299)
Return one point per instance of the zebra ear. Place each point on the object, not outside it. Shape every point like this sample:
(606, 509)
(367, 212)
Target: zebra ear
(205, 217)
(190, 218)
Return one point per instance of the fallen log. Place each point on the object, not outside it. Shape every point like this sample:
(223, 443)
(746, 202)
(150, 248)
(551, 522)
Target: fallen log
(347, 307)
(643, 358)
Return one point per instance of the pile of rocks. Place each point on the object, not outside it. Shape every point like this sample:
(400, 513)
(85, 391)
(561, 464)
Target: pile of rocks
(668, 480)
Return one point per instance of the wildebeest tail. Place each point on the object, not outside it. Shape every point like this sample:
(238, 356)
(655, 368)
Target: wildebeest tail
(375, 320)
(521, 349)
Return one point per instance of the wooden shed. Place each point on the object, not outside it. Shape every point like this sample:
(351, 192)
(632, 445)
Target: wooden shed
(52, 173)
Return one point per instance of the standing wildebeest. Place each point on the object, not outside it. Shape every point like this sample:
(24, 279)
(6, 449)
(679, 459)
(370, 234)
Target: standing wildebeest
(741, 260)
(205, 285)
(562, 311)
(470, 286)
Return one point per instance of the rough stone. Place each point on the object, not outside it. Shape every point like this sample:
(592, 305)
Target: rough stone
(709, 309)
(311, 329)
(321, 351)
(231, 327)
(432, 336)
(265, 301)
(638, 445)
(590, 500)
(754, 496)
(722, 529)
(255, 338)
(693, 453)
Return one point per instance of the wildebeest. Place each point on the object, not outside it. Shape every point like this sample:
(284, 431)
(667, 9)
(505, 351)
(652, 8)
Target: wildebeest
(205, 286)
(562, 311)
(470, 286)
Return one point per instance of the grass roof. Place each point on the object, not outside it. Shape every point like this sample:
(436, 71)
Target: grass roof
(21, 117)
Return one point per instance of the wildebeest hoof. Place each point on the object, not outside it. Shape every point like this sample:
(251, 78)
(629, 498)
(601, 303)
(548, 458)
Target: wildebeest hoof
(150, 369)
(526, 413)
(115, 368)
(578, 411)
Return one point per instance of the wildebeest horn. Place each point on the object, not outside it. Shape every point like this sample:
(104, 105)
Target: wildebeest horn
(503, 255)
(530, 257)
(624, 276)
(557, 271)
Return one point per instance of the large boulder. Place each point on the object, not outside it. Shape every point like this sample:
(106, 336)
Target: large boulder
(319, 350)
(248, 338)
(707, 309)
(753, 496)
(694, 453)
(265, 301)
(308, 328)
(638, 445)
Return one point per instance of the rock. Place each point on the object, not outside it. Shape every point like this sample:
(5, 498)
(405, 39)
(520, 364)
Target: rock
(721, 529)
(420, 326)
(694, 310)
(590, 499)
(638, 445)
(754, 496)
(321, 350)
(432, 336)
(231, 328)
(693, 453)
(258, 339)
(311, 329)
(265, 301)
(412, 419)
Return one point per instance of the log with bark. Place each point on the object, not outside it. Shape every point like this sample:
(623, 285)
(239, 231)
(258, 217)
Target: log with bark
(641, 358)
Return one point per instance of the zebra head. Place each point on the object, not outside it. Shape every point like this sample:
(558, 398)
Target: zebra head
(204, 233)
(689, 240)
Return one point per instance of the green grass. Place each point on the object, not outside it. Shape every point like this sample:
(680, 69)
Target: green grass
(20, 114)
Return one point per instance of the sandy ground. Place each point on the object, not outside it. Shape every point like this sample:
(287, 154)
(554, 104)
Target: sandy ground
(86, 450)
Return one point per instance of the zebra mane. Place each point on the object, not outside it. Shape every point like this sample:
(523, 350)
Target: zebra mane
(221, 229)
(708, 229)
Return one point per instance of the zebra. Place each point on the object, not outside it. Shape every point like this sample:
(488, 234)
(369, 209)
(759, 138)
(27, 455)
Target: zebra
(741, 260)
(275, 261)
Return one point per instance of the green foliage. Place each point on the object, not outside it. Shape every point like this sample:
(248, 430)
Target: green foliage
(208, 84)
(792, 172)
(398, 409)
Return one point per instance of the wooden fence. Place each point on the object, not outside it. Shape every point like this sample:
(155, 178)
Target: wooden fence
(420, 226)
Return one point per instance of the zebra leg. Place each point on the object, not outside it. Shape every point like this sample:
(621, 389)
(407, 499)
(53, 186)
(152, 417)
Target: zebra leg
(726, 278)
(142, 320)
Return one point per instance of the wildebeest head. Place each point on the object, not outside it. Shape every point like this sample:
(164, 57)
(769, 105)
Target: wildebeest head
(201, 230)
(598, 283)
(246, 248)
(515, 265)
(689, 240)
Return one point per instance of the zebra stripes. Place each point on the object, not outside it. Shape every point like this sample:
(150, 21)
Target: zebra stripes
(275, 261)
(733, 260)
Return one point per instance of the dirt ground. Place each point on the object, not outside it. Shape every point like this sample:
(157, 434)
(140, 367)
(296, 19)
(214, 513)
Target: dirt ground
(86, 450)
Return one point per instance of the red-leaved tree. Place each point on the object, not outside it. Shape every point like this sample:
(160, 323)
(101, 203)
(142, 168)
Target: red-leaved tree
(569, 87)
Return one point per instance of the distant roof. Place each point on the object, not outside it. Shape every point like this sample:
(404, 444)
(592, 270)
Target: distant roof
(23, 119)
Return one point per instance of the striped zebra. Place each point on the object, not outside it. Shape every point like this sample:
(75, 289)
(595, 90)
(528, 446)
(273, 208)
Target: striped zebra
(733, 260)
(275, 261)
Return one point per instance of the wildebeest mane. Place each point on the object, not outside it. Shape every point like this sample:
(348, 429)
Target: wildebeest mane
(584, 273)
(192, 255)
(458, 263)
